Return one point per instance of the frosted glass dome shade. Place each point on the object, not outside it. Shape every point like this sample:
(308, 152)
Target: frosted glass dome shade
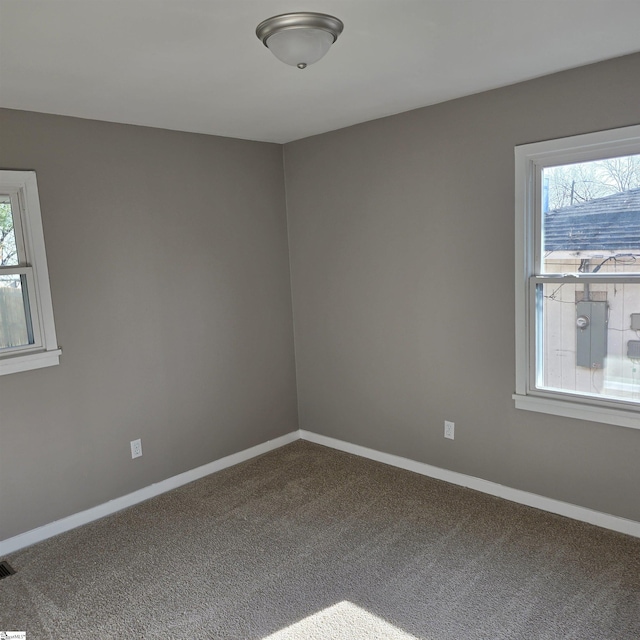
(300, 47)
(299, 39)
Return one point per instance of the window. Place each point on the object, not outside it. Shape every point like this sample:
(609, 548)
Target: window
(27, 332)
(578, 277)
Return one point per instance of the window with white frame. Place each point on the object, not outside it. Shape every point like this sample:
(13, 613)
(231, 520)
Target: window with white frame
(27, 331)
(578, 277)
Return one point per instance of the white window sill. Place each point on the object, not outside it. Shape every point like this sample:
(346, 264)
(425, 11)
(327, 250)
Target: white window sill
(29, 361)
(572, 409)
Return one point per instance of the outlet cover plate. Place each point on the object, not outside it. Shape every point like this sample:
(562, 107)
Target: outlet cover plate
(136, 448)
(449, 429)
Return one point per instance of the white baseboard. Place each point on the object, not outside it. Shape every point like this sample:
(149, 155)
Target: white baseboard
(614, 523)
(89, 515)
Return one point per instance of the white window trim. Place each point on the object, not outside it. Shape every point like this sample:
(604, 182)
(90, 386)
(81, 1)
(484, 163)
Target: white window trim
(45, 352)
(530, 159)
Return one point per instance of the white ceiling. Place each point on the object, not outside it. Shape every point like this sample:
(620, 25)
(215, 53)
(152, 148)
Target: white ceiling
(196, 65)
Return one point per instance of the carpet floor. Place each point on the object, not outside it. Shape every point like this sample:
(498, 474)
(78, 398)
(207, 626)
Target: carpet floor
(310, 543)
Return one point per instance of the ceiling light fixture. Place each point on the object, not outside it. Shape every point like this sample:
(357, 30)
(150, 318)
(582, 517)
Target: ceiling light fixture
(299, 39)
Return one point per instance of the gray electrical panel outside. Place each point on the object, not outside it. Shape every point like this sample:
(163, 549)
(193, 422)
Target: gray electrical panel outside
(591, 340)
(633, 349)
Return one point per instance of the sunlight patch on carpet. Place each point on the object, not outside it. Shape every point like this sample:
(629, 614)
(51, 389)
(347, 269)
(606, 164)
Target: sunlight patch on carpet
(342, 621)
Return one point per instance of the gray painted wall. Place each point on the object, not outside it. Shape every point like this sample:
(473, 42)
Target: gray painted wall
(169, 271)
(401, 237)
(170, 279)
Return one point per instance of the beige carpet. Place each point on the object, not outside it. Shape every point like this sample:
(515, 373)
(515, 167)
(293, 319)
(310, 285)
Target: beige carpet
(306, 542)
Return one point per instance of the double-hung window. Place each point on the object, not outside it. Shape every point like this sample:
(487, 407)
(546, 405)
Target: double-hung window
(27, 331)
(578, 277)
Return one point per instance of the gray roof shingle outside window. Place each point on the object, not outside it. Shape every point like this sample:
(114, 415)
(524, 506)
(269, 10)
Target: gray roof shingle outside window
(611, 223)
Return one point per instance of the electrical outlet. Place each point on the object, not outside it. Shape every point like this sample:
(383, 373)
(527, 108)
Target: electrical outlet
(449, 428)
(136, 448)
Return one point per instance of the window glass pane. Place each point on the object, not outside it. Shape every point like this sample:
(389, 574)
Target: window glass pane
(8, 251)
(589, 339)
(591, 216)
(15, 325)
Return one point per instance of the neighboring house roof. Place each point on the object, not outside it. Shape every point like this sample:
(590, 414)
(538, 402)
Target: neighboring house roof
(610, 223)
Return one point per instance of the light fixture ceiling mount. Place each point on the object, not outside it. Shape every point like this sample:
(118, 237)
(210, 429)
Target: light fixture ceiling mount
(299, 39)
